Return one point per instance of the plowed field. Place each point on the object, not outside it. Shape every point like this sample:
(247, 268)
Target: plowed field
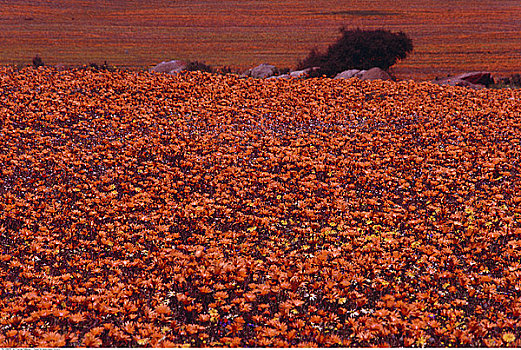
(449, 36)
(139, 209)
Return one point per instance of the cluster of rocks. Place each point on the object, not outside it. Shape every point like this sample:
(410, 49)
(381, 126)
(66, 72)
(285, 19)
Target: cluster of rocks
(268, 71)
(170, 67)
(473, 80)
(370, 74)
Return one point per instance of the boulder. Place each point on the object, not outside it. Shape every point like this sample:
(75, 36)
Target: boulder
(171, 67)
(263, 71)
(299, 73)
(303, 73)
(455, 81)
(373, 74)
(477, 78)
(347, 74)
(283, 76)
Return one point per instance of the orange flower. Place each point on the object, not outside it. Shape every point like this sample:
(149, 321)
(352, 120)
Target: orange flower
(163, 310)
(53, 339)
(90, 341)
(77, 318)
(221, 295)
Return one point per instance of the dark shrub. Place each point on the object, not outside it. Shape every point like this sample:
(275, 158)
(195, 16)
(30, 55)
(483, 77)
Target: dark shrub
(37, 61)
(225, 70)
(198, 66)
(101, 67)
(359, 49)
(281, 71)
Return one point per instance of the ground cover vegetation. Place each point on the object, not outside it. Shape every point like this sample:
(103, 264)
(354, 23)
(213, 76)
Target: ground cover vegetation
(141, 209)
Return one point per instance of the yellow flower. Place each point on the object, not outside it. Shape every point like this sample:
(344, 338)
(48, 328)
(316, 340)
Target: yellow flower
(508, 337)
(421, 341)
(142, 341)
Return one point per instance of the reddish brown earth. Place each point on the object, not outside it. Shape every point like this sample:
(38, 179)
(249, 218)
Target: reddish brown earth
(449, 36)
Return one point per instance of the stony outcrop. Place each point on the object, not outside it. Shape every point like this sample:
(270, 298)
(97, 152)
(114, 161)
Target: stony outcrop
(282, 76)
(171, 67)
(371, 74)
(477, 78)
(374, 74)
(472, 80)
(455, 81)
(263, 71)
(299, 73)
(303, 73)
(347, 74)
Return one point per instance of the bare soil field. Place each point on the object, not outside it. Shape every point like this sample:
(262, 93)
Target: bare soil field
(147, 210)
(450, 37)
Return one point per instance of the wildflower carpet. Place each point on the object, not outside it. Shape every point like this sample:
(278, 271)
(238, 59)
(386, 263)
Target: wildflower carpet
(140, 209)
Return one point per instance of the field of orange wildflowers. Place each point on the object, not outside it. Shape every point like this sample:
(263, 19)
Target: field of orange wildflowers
(140, 209)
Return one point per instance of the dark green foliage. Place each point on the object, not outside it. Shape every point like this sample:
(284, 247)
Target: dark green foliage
(198, 66)
(359, 49)
(37, 61)
(225, 70)
(101, 67)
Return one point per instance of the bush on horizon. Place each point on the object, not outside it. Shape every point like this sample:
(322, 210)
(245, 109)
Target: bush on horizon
(100, 67)
(359, 49)
(198, 66)
(37, 61)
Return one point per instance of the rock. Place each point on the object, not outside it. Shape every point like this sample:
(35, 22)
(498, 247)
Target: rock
(263, 71)
(171, 67)
(373, 74)
(472, 80)
(299, 73)
(283, 76)
(347, 74)
(455, 81)
(477, 78)
(303, 73)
